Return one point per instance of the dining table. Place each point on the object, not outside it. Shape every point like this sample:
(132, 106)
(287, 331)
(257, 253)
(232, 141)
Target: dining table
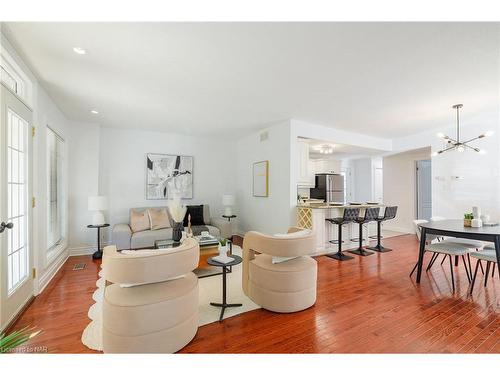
(456, 228)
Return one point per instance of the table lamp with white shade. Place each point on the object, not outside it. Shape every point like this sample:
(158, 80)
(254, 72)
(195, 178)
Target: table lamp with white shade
(98, 204)
(228, 202)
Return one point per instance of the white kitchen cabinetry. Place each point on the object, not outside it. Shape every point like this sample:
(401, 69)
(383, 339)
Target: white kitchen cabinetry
(327, 166)
(305, 172)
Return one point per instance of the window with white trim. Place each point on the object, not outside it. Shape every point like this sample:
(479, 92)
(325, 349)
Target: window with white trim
(55, 190)
(11, 77)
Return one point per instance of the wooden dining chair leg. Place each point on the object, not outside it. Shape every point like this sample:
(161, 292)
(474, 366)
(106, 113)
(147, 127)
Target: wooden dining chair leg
(474, 277)
(466, 269)
(452, 276)
(487, 273)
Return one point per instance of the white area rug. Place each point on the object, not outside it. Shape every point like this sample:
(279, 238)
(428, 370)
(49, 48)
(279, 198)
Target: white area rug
(210, 289)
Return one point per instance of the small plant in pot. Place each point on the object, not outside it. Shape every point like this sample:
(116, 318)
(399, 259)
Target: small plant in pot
(223, 248)
(468, 219)
(177, 212)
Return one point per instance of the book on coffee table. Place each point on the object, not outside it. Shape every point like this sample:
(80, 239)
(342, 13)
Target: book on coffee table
(207, 240)
(223, 259)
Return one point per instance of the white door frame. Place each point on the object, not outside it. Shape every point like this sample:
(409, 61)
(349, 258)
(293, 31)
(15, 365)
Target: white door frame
(13, 303)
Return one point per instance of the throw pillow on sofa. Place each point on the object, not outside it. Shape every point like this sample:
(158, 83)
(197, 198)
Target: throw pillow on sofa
(196, 213)
(139, 221)
(159, 218)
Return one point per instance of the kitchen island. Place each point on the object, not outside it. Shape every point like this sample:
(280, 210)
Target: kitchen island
(313, 216)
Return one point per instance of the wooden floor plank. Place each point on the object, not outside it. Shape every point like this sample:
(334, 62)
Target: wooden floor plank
(366, 305)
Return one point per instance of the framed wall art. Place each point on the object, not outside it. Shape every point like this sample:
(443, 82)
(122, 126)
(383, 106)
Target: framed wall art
(169, 175)
(261, 179)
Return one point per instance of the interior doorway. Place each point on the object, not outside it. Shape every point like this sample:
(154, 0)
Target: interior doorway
(423, 189)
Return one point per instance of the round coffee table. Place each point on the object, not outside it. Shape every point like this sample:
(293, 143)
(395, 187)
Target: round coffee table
(224, 304)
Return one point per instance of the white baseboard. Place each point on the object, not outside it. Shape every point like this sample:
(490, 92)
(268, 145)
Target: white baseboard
(84, 250)
(398, 229)
(51, 271)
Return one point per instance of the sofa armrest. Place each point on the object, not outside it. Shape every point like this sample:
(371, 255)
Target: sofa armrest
(225, 227)
(121, 236)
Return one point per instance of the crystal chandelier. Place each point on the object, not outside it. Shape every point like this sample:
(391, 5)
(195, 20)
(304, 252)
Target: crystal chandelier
(457, 144)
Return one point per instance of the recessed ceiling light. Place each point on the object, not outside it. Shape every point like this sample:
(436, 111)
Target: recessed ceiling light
(79, 50)
(94, 112)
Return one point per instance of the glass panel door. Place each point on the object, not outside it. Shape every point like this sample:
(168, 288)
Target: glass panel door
(16, 279)
(17, 251)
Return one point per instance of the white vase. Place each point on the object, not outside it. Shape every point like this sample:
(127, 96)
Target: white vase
(476, 223)
(223, 250)
(476, 212)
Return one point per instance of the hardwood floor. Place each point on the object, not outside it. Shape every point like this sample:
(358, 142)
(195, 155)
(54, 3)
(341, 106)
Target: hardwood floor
(366, 305)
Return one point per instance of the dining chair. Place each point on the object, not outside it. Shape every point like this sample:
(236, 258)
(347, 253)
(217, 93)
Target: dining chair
(490, 257)
(446, 247)
(449, 250)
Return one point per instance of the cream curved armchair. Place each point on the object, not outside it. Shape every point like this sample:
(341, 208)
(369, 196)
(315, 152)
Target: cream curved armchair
(281, 287)
(150, 300)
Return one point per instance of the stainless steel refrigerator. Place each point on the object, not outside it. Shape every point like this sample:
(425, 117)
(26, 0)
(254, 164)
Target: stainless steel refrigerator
(329, 187)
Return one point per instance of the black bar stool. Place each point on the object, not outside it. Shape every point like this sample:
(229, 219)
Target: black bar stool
(349, 216)
(389, 214)
(370, 215)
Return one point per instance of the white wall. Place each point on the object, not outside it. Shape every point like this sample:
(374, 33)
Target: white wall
(266, 214)
(83, 175)
(399, 187)
(122, 169)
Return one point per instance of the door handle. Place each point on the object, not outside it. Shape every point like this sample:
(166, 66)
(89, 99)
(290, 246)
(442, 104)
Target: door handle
(5, 225)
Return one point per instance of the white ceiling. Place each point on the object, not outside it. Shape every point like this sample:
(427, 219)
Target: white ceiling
(383, 79)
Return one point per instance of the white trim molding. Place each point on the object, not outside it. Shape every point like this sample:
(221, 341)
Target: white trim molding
(51, 271)
(85, 250)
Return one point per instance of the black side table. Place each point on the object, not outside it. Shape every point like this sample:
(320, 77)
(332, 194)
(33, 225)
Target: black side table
(224, 304)
(98, 253)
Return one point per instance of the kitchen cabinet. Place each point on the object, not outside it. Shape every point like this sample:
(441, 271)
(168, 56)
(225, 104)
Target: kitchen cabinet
(327, 166)
(305, 176)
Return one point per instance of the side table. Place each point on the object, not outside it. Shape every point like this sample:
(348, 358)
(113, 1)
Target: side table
(224, 304)
(98, 253)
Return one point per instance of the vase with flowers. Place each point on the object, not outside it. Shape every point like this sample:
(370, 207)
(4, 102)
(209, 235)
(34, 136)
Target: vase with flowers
(177, 212)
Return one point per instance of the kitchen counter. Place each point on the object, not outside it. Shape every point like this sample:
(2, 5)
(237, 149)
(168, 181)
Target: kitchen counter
(313, 216)
(323, 206)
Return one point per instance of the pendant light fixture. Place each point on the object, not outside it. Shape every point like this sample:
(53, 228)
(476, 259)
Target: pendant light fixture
(326, 149)
(457, 144)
